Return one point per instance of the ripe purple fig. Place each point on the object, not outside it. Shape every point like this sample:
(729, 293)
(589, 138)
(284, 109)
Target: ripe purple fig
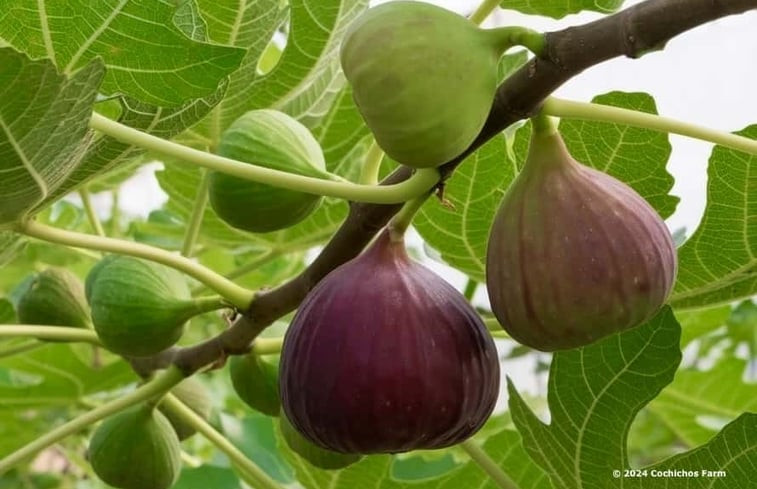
(574, 254)
(384, 356)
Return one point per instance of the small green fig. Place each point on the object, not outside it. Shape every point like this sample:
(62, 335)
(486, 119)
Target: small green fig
(315, 455)
(139, 307)
(136, 449)
(195, 395)
(423, 78)
(54, 297)
(574, 254)
(270, 139)
(256, 382)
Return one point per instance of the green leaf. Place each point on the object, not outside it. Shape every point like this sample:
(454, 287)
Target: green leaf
(307, 77)
(504, 448)
(7, 312)
(60, 376)
(636, 156)
(699, 322)
(733, 451)
(560, 8)
(459, 227)
(247, 25)
(148, 57)
(207, 476)
(594, 394)
(107, 154)
(11, 244)
(698, 403)
(718, 264)
(43, 129)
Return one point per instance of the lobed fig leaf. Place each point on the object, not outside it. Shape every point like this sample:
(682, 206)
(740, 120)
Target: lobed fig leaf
(395, 363)
(423, 78)
(195, 395)
(54, 297)
(574, 254)
(256, 382)
(315, 455)
(270, 139)
(139, 307)
(136, 449)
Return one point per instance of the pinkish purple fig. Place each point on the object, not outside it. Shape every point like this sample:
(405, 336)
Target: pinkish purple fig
(574, 255)
(384, 356)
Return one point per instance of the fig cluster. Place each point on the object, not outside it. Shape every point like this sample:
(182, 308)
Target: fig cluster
(423, 78)
(574, 254)
(270, 139)
(384, 356)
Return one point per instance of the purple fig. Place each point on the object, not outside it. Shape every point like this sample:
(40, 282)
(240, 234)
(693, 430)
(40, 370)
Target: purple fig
(384, 356)
(574, 254)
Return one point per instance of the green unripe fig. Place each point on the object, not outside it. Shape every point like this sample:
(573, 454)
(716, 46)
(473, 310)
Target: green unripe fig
(195, 395)
(574, 255)
(423, 79)
(54, 297)
(315, 455)
(136, 449)
(256, 382)
(270, 139)
(139, 307)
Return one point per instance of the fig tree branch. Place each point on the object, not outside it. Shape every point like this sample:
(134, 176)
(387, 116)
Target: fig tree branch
(632, 32)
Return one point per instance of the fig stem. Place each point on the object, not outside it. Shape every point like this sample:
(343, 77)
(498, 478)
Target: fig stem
(484, 10)
(198, 212)
(255, 476)
(421, 181)
(236, 295)
(267, 346)
(401, 221)
(470, 289)
(506, 37)
(543, 125)
(372, 164)
(478, 455)
(251, 266)
(157, 386)
(89, 209)
(202, 305)
(604, 113)
(60, 333)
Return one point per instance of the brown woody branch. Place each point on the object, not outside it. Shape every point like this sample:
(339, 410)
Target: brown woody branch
(631, 32)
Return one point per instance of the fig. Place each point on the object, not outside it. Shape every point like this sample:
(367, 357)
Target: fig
(54, 297)
(195, 395)
(256, 382)
(139, 307)
(384, 356)
(574, 254)
(422, 77)
(136, 449)
(270, 139)
(315, 455)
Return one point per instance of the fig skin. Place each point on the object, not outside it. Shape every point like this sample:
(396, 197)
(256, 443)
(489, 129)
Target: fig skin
(136, 449)
(256, 382)
(384, 356)
(55, 297)
(422, 77)
(574, 255)
(139, 307)
(315, 455)
(270, 139)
